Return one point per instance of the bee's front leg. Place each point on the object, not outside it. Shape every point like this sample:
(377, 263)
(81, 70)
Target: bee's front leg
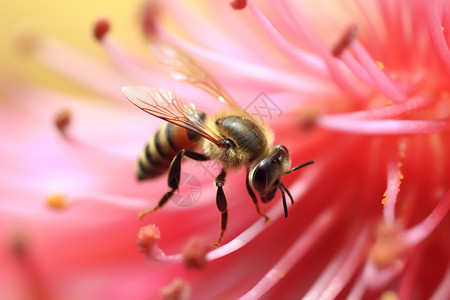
(255, 201)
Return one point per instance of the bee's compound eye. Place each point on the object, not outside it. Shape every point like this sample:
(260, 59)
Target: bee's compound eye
(260, 178)
(227, 143)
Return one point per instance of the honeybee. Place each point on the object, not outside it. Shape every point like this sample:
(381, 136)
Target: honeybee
(232, 137)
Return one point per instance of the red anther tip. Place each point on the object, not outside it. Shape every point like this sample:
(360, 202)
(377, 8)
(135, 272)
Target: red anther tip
(101, 28)
(147, 237)
(194, 253)
(149, 15)
(238, 4)
(62, 120)
(346, 40)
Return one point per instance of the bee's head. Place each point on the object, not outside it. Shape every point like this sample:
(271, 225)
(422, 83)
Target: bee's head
(265, 176)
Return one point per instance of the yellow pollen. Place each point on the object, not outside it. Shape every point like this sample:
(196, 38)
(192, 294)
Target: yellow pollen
(281, 275)
(380, 65)
(389, 295)
(57, 201)
(400, 175)
(442, 28)
(383, 201)
(385, 193)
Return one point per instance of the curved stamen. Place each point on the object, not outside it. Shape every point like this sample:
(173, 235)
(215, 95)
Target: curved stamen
(393, 186)
(436, 33)
(374, 127)
(384, 84)
(419, 232)
(295, 253)
(276, 77)
(340, 270)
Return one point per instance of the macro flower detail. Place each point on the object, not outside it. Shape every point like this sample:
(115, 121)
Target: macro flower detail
(361, 89)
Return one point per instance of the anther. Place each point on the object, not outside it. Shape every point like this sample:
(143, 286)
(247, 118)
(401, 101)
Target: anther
(346, 40)
(101, 28)
(57, 201)
(238, 4)
(178, 289)
(150, 11)
(147, 237)
(19, 247)
(194, 253)
(26, 41)
(62, 120)
(388, 246)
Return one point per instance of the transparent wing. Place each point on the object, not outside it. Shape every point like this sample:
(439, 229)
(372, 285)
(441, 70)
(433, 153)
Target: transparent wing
(166, 105)
(184, 68)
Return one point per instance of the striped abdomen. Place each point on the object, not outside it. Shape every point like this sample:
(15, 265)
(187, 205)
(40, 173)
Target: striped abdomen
(162, 147)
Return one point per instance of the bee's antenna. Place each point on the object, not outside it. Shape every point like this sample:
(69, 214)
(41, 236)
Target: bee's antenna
(284, 191)
(300, 166)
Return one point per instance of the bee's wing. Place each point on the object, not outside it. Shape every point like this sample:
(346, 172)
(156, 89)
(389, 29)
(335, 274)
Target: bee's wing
(166, 105)
(184, 68)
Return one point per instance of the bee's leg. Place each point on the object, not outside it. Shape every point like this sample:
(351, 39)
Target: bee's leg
(174, 177)
(221, 202)
(255, 201)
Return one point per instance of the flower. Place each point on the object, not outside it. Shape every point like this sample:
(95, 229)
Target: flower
(364, 95)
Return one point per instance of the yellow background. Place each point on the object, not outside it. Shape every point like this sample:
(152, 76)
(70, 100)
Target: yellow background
(69, 21)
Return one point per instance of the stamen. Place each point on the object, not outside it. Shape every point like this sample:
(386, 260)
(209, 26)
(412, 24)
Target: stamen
(19, 245)
(408, 280)
(76, 66)
(436, 33)
(293, 255)
(393, 186)
(387, 112)
(389, 245)
(299, 28)
(382, 82)
(194, 253)
(149, 14)
(178, 289)
(57, 201)
(443, 290)
(298, 189)
(26, 41)
(147, 238)
(419, 232)
(341, 269)
(62, 120)
(376, 127)
(131, 65)
(281, 43)
(101, 27)
(238, 4)
(278, 78)
(349, 36)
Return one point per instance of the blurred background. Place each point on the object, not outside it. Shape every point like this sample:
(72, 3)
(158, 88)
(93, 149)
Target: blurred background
(68, 21)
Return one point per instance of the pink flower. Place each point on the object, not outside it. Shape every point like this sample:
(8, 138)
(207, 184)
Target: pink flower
(359, 87)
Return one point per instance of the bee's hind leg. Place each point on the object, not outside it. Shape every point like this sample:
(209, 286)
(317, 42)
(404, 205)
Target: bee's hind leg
(221, 202)
(174, 177)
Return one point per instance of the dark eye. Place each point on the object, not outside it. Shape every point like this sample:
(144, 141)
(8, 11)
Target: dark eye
(260, 178)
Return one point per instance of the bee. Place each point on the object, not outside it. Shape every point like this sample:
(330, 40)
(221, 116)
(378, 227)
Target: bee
(232, 137)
